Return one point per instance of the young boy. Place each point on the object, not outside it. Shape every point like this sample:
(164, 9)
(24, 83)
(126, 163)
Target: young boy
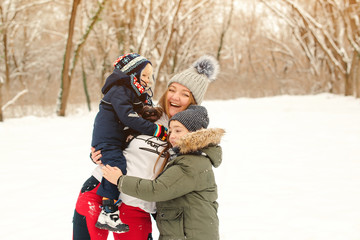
(125, 94)
(185, 192)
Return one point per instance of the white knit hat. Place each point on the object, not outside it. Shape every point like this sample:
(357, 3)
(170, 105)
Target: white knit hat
(198, 76)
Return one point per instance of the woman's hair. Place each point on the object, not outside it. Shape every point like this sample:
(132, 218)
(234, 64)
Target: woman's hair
(166, 155)
(164, 106)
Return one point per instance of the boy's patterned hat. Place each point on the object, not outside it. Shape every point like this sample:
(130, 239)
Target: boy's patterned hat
(198, 76)
(132, 64)
(194, 118)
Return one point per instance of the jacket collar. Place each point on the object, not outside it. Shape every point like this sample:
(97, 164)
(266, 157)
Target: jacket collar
(195, 141)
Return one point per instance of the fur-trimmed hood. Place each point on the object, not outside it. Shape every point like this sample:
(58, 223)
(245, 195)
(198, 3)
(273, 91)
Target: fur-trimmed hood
(201, 139)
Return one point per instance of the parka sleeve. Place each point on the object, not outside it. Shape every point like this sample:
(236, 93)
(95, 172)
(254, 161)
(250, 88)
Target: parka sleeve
(172, 183)
(123, 106)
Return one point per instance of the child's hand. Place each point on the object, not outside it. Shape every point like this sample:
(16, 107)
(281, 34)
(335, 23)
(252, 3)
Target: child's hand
(161, 132)
(111, 174)
(151, 114)
(95, 156)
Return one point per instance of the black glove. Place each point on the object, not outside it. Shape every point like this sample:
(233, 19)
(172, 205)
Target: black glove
(151, 114)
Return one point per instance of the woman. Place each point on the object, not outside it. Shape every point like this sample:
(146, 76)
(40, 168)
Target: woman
(185, 88)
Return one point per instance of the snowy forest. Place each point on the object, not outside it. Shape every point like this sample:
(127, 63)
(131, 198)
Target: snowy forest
(56, 55)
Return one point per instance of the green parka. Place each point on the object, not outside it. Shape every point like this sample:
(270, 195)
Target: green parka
(185, 192)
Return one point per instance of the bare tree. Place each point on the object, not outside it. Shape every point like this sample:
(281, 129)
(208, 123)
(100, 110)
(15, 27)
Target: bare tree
(323, 32)
(176, 36)
(166, 43)
(277, 47)
(351, 16)
(65, 76)
(14, 31)
(225, 28)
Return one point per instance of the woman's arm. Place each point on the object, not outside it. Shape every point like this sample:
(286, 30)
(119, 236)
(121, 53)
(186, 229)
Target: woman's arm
(95, 156)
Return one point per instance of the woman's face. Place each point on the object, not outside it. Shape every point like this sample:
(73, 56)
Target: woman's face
(178, 98)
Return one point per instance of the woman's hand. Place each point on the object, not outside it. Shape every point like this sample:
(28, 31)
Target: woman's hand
(111, 174)
(95, 156)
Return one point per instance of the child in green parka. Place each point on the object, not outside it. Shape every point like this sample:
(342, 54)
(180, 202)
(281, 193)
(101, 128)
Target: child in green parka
(185, 192)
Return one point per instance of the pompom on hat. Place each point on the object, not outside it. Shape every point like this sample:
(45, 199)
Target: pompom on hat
(194, 118)
(198, 76)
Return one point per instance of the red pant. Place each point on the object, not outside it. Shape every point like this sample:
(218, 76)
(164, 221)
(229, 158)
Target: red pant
(139, 223)
(88, 206)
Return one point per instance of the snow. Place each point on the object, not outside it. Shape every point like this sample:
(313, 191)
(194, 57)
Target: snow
(291, 170)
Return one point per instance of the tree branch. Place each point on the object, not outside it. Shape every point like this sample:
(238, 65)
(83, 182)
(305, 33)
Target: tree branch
(14, 99)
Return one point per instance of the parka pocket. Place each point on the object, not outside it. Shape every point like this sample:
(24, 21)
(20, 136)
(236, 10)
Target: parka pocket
(170, 222)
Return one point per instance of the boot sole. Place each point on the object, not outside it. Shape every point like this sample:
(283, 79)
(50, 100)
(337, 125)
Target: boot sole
(124, 228)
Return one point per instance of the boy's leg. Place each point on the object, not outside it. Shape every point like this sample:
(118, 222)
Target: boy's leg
(113, 156)
(86, 213)
(139, 223)
(109, 217)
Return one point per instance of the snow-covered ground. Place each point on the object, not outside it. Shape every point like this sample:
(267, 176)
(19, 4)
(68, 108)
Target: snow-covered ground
(291, 170)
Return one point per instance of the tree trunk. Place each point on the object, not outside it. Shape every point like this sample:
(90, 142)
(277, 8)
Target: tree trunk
(7, 75)
(147, 26)
(348, 85)
(94, 19)
(6, 59)
(65, 78)
(224, 30)
(1, 112)
(166, 45)
(86, 91)
(350, 78)
(356, 76)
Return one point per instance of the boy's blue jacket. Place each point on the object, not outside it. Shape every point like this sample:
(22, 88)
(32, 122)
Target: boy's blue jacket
(117, 111)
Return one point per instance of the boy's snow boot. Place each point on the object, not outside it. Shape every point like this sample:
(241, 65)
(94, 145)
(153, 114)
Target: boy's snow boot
(109, 218)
